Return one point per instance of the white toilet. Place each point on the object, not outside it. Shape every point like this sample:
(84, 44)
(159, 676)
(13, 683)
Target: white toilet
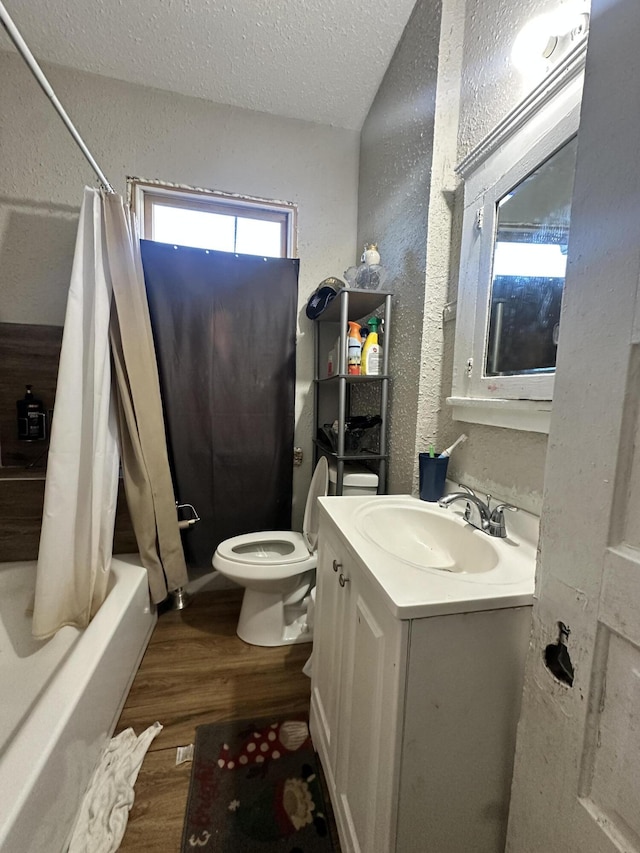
(277, 570)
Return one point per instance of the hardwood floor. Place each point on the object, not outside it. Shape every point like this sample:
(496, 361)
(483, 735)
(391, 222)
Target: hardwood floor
(196, 670)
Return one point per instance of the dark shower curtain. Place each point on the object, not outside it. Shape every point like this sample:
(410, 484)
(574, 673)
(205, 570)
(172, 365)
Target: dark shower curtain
(224, 329)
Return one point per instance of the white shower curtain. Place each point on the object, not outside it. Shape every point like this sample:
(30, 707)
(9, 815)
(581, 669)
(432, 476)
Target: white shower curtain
(82, 475)
(107, 323)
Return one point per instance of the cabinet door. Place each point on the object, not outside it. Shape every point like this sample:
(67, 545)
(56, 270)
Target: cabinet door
(370, 729)
(327, 655)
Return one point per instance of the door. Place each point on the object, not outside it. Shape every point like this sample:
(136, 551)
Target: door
(577, 777)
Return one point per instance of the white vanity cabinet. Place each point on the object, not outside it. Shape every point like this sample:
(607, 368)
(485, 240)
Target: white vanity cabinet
(414, 719)
(356, 697)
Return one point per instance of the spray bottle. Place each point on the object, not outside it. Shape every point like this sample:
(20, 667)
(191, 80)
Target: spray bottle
(354, 345)
(372, 351)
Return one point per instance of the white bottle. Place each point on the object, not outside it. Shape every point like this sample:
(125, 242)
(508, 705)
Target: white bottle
(372, 351)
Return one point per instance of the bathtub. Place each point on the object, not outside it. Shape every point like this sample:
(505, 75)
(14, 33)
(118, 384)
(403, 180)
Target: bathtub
(60, 700)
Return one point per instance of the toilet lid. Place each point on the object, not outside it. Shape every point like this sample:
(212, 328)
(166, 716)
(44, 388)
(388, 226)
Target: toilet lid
(317, 489)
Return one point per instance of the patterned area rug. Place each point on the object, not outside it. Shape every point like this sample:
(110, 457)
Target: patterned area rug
(255, 786)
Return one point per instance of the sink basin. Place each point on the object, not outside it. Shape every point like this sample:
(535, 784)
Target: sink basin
(427, 537)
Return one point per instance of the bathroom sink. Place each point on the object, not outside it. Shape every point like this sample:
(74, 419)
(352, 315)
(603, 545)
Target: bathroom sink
(427, 536)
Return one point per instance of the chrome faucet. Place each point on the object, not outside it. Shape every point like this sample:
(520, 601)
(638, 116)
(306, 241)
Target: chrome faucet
(479, 513)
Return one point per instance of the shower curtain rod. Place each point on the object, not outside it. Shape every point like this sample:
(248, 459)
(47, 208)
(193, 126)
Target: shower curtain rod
(37, 72)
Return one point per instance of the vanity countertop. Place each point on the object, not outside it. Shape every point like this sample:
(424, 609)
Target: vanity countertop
(413, 591)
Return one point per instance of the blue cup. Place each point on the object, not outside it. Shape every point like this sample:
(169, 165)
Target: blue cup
(433, 473)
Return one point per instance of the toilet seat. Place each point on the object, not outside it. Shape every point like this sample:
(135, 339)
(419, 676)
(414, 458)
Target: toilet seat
(274, 549)
(265, 548)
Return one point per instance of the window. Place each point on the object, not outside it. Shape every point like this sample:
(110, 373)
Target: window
(518, 188)
(207, 219)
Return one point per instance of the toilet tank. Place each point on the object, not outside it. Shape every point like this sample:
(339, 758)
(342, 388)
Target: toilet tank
(357, 480)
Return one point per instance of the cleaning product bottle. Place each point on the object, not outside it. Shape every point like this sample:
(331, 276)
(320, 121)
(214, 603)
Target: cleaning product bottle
(372, 351)
(353, 349)
(331, 362)
(32, 421)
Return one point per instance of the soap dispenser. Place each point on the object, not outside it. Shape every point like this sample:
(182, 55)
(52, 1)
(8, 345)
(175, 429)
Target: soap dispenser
(32, 420)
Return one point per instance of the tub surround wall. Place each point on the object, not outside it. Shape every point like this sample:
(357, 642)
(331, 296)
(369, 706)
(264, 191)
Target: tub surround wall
(30, 353)
(21, 502)
(139, 131)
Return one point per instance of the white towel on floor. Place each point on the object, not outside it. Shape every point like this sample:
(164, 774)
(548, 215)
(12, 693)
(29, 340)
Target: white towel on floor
(107, 802)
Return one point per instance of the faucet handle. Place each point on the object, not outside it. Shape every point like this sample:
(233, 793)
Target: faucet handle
(502, 507)
(497, 526)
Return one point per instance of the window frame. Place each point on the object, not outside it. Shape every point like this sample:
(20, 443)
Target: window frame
(528, 136)
(144, 193)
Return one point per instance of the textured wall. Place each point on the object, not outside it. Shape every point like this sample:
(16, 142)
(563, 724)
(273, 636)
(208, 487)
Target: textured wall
(434, 421)
(507, 463)
(132, 130)
(395, 169)
(410, 201)
(491, 84)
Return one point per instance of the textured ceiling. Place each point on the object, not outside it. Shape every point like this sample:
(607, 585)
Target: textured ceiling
(317, 60)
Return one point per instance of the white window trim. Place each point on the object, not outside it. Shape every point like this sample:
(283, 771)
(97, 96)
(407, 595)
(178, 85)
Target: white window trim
(530, 134)
(528, 415)
(240, 205)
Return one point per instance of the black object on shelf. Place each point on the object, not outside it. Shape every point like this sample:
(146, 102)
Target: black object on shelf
(32, 418)
(357, 430)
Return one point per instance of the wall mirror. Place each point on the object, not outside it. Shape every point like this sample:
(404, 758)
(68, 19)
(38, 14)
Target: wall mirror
(518, 186)
(528, 268)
